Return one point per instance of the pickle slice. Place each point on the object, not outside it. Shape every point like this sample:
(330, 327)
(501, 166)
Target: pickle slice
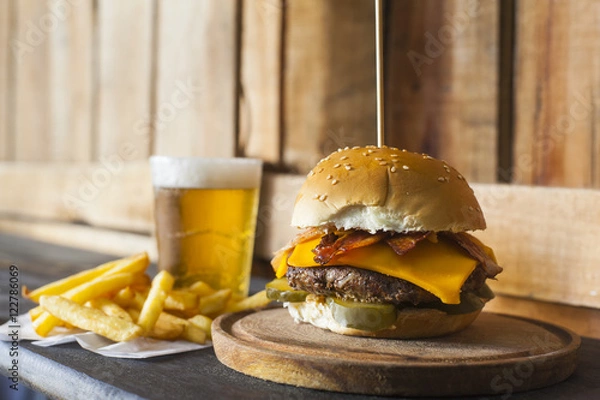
(280, 290)
(364, 316)
(469, 302)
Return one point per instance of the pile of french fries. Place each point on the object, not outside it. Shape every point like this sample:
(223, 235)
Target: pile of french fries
(119, 301)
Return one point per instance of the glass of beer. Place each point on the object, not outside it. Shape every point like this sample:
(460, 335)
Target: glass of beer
(205, 212)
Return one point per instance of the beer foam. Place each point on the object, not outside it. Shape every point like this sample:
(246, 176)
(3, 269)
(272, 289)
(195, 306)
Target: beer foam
(205, 173)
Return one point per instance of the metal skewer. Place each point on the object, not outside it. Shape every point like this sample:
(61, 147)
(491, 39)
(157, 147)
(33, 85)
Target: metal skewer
(379, 71)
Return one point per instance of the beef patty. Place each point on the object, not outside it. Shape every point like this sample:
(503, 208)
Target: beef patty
(362, 285)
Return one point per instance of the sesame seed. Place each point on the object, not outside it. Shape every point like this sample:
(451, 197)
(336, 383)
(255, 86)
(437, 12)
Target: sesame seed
(378, 159)
(371, 146)
(404, 150)
(478, 209)
(471, 208)
(316, 196)
(337, 165)
(343, 158)
(322, 197)
(394, 148)
(395, 160)
(356, 147)
(329, 176)
(395, 155)
(442, 179)
(446, 168)
(321, 170)
(348, 167)
(347, 148)
(370, 151)
(311, 173)
(405, 167)
(339, 150)
(393, 169)
(334, 182)
(382, 163)
(460, 177)
(365, 153)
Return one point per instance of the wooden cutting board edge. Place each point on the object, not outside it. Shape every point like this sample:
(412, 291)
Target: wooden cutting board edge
(326, 372)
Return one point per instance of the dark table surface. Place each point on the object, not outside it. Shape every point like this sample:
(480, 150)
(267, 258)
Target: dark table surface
(70, 372)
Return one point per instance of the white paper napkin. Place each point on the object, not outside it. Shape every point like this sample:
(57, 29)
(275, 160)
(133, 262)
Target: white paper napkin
(136, 348)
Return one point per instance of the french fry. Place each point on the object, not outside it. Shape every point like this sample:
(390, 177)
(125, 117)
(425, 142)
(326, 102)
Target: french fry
(35, 312)
(203, 322)
(139, 299)
(124, 297)
(109, 307)
(90, 319)
(200, 288)
(181, 300)
(141, 282)
(82, 293)
(98, 287)
(133, 264)
(134, 313)
(193, 334)
(45, 323)
(214, 303)
(257, 300)
(167, 328)
(154, 303)
(62, 285)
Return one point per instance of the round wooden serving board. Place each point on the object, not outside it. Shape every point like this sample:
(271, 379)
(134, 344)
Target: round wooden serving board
(497, 354)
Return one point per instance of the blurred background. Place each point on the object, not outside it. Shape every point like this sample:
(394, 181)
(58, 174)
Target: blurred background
(508, 92)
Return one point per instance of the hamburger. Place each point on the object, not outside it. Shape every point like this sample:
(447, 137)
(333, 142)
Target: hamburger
(384, 249)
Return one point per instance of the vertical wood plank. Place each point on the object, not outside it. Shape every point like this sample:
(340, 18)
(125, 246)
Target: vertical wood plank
(53, 80)
(557, 93)
(442, 82)
(196, 100)
(260, 76)
(124, 65)
(5, 59)
(329, 79)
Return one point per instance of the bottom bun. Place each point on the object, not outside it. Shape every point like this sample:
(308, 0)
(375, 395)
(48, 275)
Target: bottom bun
(412, 323)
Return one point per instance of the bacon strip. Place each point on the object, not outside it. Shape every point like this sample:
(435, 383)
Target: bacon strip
(333, 244)
(404, 242)
(465, 241)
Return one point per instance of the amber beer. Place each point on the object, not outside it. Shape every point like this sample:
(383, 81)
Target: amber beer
(205, 211)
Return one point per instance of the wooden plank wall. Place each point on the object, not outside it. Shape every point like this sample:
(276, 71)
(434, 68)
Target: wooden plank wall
(557, 93)
(442, 82)
(287, 81)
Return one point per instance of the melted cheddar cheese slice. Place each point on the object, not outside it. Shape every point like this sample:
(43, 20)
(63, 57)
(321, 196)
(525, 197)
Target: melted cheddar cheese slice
(440, 268)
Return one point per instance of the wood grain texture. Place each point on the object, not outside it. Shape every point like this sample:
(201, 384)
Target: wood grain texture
(53, 52)
(114, 193)
(196, 101)
(557, 92)
(584, 321)
(547, 241)
(5, 71)
(91, 238)
(123, 87)
(441, 82)
(462, 364)
(329, 79)
(260, 79)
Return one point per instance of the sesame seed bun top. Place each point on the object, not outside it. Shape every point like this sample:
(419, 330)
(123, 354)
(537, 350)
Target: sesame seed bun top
(381, 188)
